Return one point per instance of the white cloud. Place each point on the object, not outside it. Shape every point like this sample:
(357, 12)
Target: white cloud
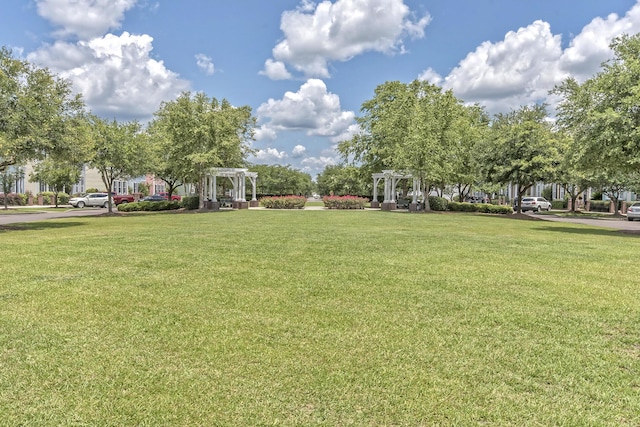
(298, 151)
(115, 74)
(275, 70)
(312, 109)
(518, 70)
(270, 154)
(431, 76)
(338, 31)
(315, 165)
(84, 18)
(205, 63)
(589, 49)
(522, 68)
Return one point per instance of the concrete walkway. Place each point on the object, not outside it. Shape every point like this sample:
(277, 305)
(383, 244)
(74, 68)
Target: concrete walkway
(40, 214)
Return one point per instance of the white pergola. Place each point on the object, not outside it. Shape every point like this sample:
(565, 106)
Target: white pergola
(391, 179)
(238, 177)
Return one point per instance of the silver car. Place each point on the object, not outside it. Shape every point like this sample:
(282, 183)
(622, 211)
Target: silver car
(633, 211)
(92, 199)
(535, 204)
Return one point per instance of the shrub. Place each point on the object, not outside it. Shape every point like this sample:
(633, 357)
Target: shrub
(559, 204)
(344, 202)
(283, 202)
(190, 202)
(462, 207)
(13, 199)
(600, 205)
(92, 190)
(149, 206)
(438, 203)
(480, 207)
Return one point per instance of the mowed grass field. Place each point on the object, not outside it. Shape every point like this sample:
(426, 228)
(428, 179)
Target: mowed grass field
(332, 318)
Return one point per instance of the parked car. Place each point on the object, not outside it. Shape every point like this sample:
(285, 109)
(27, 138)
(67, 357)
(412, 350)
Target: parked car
(119, 199)
(475, 199)
(173, 196)
(91, 199)
(154, 198)
(633, 211)
(535, 204)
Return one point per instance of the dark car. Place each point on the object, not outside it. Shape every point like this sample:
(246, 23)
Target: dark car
(154, 198)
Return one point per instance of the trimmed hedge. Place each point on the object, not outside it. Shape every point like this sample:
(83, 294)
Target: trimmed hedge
(190, 202)
(600, 205)
(149, 206)
(480, 207)
(283, 202)
(13, 199)
(438, 203)
(344, 202)
(559, 204)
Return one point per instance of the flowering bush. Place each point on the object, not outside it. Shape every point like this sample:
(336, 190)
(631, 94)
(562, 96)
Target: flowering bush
(13, 199)
(344, 202)
(283, 202)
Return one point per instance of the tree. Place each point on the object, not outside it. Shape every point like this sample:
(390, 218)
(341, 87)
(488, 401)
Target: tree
(410, 128)
(59, 176)
(282, 180)
(196, 133)
(602, 115)
(8, 177)
(38, 113)
(122, 151)
(463, 150)
(341, 180)
(523, 149)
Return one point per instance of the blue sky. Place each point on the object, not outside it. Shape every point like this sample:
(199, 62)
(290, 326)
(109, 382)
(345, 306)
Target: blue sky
(306, 67)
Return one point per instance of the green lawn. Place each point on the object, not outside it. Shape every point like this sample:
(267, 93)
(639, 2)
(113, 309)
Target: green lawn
(334, 318)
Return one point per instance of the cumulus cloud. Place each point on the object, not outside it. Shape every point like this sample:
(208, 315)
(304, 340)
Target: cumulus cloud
(431, 76)
(315, 165)
(269, 155)
(115, 74)
(275, 70)
(298, 151)
(84, 18)
(311, 109)
(589, 49)
(205, 63)
(315, 35)
(522, 68)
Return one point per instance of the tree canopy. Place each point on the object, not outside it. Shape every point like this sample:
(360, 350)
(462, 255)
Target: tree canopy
(420, 129)
(523, 149)
(122, 151)
(282, 180)
(39, 115)
(195, 133)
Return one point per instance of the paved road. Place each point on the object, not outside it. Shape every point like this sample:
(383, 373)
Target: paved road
(618, 224)
(44, 215)
(615, 223)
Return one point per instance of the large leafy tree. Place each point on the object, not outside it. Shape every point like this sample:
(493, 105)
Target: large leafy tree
(39, 115)
(343, 180)
(463, 150)
(415, 128)
(602, 115)
(282, 180)
(122, 151)
(523, 149)
(195, 133)
(60, 176)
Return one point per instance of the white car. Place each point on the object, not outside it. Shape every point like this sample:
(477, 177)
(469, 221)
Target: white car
(535, 204)
(633, 211)
(92, 199)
